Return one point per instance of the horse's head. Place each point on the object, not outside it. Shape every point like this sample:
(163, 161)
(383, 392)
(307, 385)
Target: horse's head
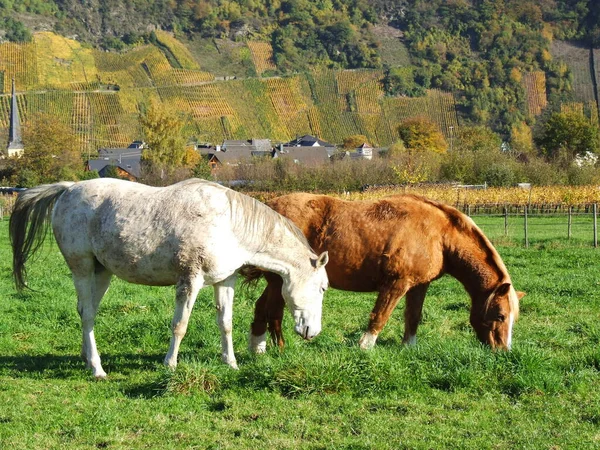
(303, 294)
(493, 319)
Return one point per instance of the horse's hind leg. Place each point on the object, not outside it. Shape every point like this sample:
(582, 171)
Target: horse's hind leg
(91, 283)
(412, 314)
(224, 302)
(102, 279)
(185, 297)
(386, 302)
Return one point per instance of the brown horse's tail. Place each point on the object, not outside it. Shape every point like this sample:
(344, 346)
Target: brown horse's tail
(29, 223)
(250, 275)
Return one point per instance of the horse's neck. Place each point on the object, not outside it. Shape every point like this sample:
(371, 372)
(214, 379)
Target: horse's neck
(474, 262)
(282, 253)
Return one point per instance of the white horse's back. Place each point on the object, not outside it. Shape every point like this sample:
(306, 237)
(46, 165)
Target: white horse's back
(148, 235)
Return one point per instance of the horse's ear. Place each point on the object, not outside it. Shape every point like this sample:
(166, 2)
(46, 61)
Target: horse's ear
(321, 260)
(503, 289)
(520, 295)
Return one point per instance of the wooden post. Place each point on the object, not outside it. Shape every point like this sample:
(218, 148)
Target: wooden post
(505, 221)
(469, 210)
(595, 210)
(570, 222)
(525, 224)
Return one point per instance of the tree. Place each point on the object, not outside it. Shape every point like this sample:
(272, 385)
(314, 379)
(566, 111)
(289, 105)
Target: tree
(16, 31)
(420, 134)
(477, 139)
(567, 135)
(521, 139)
(163, 133)
(50, 153)
(476, 157)
(401, 81)
(396, 149)
(355, 141)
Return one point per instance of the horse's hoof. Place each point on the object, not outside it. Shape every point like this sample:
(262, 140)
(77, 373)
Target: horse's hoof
(170, 364)
(257, 344)
(367, 341)
(232, 364)
(100, 375)
(258, 350)
(410, 341)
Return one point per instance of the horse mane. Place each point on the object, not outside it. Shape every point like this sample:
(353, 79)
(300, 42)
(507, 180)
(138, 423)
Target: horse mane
(465, 224)
(252, 217)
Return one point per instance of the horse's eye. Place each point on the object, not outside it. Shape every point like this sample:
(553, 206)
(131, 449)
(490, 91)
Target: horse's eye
(501, 318)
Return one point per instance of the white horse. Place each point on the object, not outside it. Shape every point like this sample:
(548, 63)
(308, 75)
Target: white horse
(191, 234)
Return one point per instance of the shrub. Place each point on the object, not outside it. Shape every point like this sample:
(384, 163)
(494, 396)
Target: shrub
(583, 176)
(499, 175)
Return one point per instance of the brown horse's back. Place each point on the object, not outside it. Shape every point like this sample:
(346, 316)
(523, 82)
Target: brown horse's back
(371, 242)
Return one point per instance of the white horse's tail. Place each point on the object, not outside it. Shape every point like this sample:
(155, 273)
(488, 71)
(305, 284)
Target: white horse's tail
(29, 223)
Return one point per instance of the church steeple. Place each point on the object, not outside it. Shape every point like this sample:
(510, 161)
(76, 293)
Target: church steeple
(15, 143)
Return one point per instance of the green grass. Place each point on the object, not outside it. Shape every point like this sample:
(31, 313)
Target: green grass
(447, 392)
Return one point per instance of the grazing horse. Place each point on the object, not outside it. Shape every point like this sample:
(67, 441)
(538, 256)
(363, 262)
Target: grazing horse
(395, 246)
(191, 234)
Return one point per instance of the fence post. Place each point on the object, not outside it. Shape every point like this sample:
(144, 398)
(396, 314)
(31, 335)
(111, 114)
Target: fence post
(469, 210)
(505, 221)
(570, 222)
(525, 224)
(595, 210)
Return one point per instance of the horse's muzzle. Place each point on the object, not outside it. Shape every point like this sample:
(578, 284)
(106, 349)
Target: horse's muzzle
(307, 330)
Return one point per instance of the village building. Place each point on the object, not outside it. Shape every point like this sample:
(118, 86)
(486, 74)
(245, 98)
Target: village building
(364, 152)
(310, 141)
(236, 152)
(126, 161)
(306, 156)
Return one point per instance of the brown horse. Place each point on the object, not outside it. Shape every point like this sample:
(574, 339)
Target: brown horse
(395, 246)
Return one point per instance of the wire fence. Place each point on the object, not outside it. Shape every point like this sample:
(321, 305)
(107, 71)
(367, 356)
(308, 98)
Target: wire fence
(527, 224)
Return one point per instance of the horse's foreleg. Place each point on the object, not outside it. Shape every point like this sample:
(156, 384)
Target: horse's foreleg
(412, 314)
(275, 309)
(257, 341)
(224, 303)
(90, 289)
(386, 302)
(268, 311)
(185, 297)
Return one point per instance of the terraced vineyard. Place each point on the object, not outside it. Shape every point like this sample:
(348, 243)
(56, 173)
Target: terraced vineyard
(578, 60)
(178, 50)
(535, 90)
(262, 56)
(572, 107)
(99, 94)
(18, 61)
(438, 106)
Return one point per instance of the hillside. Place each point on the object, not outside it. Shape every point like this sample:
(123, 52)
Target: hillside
(276, 70)
(100, 94)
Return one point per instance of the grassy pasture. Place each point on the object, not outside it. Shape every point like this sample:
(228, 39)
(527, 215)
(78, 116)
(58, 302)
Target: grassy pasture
(447, 392)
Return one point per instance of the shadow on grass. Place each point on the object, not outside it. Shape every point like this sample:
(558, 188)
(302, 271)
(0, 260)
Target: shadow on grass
(67, 367)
